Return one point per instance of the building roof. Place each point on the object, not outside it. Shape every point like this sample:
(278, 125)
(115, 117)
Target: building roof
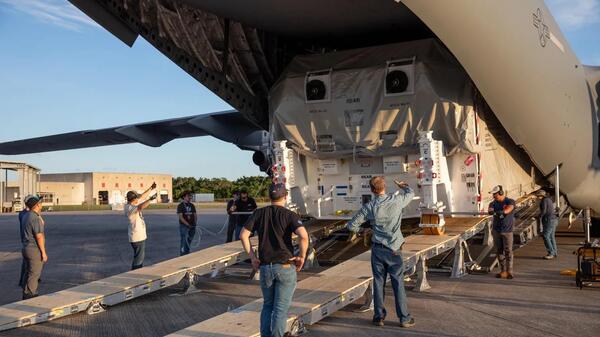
(13, 165)
(112, 173)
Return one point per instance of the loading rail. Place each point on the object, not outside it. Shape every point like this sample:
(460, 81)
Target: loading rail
(323, 294)
(95, 296)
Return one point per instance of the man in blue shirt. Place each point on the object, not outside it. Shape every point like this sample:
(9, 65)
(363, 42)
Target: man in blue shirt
(384, 212)
(502, 208)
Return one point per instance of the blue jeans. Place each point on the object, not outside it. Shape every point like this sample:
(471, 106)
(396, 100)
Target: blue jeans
(277, 283)
(549, 232)
(139, 252)
(238, 230)
(187, 235)
(384, 261)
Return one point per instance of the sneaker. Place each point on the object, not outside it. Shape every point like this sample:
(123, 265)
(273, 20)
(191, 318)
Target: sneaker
(502, 275)
(378, 322)
(408, 324)
(549, 257)
(509, 276)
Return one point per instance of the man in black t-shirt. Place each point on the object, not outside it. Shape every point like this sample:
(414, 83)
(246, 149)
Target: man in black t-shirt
(232, 219)
(245, 204)
(186, 212)
(275, 225)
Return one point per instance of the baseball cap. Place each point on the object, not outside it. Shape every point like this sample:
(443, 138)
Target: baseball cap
(541, 193)
(31, 200)
(496, 189)
(277, 191)
(131, 195)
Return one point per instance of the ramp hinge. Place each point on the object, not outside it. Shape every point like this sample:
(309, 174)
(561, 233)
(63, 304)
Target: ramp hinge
(95, 308)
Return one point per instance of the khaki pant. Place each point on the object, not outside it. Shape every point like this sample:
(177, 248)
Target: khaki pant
(504, 250)
(32, 270)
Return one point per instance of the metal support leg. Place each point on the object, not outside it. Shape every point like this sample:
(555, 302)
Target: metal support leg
(488, 239)
(255, 275)
(311, 260)
(218, 273)
(369, 304)
(534, 226)
(191, 283)
(587, 223)
(95, 308)
(422, 283)
(298, 328)
(458, 267)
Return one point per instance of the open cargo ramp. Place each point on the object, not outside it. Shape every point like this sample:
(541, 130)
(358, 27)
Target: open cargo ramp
(118, 288)
(94, 296)
(321, 295)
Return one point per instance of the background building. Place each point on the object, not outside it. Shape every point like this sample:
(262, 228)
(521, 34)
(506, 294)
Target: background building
(100, 188)
(24, 180)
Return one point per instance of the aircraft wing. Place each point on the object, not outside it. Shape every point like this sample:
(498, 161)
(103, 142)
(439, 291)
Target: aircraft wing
(229, 126)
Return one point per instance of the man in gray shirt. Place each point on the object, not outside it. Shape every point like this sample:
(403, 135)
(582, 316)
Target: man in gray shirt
(33, 243)
(549, 220)
(385, 214)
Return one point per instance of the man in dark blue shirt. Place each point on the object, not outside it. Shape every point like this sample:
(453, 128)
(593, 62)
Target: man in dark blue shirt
(502, 208)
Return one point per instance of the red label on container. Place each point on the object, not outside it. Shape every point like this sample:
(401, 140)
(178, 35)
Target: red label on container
(470, 159)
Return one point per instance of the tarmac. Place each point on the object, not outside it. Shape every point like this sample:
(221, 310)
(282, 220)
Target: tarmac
(83, 247)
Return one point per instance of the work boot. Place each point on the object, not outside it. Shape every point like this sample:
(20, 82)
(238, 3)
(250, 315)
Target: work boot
(502, 275)
(378, 321)
(509, 276)
(408, 324)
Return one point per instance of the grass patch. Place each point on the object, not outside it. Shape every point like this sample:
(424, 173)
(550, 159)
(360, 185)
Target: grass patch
(73, 208)
(83, 208)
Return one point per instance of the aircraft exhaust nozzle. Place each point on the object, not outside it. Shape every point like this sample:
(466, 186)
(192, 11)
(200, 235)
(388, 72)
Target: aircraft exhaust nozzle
(261, 160)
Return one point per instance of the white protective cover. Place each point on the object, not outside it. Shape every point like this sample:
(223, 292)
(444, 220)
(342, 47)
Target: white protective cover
(441, 101)
(363, 122)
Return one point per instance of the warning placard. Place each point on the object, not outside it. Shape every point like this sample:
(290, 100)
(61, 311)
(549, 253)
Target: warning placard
(393, 164)
(328, 166)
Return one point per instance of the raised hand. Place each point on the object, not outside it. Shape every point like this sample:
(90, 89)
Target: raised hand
(400, 184)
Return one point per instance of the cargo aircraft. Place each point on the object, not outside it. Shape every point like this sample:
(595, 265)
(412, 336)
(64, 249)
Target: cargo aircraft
(453, 97)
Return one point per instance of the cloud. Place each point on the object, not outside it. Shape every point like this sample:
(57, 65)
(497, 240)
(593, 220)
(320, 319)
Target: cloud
(574, 14)
(56, 12)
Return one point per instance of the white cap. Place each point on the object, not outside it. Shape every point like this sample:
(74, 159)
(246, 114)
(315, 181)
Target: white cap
(496, 189)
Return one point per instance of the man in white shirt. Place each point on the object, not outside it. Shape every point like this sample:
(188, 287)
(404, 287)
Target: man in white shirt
(137, 226)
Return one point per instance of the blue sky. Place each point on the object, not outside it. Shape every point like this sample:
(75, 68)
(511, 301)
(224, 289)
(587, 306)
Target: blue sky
(61, 72)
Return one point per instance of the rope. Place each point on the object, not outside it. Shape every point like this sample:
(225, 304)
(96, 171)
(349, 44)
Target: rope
(224, 225)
